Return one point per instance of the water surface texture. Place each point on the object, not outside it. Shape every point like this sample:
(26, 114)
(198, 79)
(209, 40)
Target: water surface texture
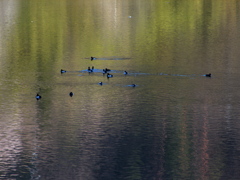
(164, 119)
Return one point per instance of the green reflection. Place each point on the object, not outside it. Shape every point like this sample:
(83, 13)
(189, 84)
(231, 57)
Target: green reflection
(161, 36)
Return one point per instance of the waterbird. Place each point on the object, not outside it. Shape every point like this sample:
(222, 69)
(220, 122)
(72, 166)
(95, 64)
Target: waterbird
(38, 96)
(100, 83)
(109, 75)
(63, 71)
(125, 72)
(90, 70)
(106, 69)
(71, 94)
(133, 85)
(208, 75)
(92, 58)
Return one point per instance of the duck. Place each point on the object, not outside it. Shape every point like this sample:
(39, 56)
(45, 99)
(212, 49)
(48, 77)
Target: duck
(125, 72)
(208, 75)
(106, 69)
(38, 96)
(100, 83)
(71, 94)
(109, 75)
(93, 58)
(104, 72)
(90, 70)
(63, 71)
(133, 85)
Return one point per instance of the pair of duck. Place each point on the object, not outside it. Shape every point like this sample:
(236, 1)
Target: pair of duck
(106, 70)
(90, 70)
(38, 97)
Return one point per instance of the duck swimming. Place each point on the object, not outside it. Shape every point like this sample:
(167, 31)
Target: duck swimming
(133, 85)
(106, 69)
(90, 70)
(71, 94)
(63, 71)
(109, 75)
(125, 72)
(208, 75)
(38, 96)
(100, 83)
(93, 58)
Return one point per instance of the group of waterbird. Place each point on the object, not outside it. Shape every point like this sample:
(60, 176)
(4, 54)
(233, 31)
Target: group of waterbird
(104, 71)
(90, 70)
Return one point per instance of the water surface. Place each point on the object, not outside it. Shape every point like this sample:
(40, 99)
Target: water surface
(176, 123)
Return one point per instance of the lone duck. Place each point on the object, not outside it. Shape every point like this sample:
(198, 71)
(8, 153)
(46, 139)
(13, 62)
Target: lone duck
(71, 94)
(93, 58)
(38, 96)
(208, 75)
(63, 71)
(125, 72)
(133, 85)
(100, 83)
(109, 75)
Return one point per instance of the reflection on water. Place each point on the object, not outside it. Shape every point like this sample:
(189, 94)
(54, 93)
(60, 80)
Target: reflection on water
(158, 117)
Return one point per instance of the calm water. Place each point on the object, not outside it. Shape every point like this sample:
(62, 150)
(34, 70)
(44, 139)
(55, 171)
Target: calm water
(175, 124)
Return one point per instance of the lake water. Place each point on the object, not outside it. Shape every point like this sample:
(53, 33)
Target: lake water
(176, 123)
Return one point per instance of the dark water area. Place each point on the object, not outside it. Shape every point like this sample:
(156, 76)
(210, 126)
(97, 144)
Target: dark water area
(158, 117)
